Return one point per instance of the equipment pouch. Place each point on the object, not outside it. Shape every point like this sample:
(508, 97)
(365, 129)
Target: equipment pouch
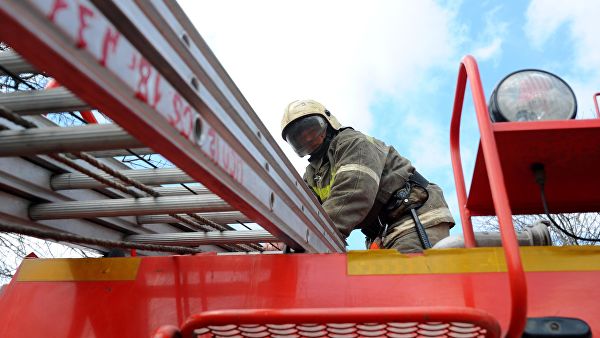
(411, 196)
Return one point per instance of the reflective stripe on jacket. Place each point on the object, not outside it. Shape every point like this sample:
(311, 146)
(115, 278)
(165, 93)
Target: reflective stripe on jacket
(357, 177)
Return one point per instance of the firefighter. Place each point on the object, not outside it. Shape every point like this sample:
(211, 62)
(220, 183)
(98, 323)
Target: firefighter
(364, 184)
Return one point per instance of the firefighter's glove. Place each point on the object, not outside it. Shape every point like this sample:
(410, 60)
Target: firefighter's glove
(375, 244)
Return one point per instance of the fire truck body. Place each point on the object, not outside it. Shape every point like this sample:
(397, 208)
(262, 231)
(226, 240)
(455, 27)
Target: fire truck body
(144, 66)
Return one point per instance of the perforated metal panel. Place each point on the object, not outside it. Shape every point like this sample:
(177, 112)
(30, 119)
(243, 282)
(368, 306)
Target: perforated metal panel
(344, 322)
(347, 330)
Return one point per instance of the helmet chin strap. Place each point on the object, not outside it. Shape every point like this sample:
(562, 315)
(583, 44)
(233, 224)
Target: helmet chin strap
(318, 154)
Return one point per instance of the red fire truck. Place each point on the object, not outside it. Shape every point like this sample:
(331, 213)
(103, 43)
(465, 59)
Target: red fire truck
(142, 64)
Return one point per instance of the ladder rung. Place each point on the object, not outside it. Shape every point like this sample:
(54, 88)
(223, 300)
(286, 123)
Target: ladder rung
(70, 139)
(228, 217)
(128, 207)
(34, 102)
(179, 190)
(146, 176)
(14, 63)
(121, 152)
(201, 238)
(178, 101)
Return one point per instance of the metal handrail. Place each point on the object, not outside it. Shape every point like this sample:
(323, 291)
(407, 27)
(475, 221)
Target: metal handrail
(518, 287)
(596, 104)
(346, 316)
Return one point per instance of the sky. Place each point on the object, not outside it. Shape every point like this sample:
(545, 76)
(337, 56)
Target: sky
(389, 68)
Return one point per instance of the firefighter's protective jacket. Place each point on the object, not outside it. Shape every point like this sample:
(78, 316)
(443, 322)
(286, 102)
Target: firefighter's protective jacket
(357, 177)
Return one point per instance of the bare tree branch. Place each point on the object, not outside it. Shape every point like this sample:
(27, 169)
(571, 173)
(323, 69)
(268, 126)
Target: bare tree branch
(586, 225)
(13, 247)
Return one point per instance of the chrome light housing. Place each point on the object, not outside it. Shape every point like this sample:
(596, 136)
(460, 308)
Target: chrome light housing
(532, 95)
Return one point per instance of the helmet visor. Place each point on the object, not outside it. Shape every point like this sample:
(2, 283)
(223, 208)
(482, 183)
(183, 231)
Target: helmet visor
(305, 135)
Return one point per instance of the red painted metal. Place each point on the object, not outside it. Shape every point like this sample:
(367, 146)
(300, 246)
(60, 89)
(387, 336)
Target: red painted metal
(518, 287)
(87, 115)
(459, 178)
(430, 322)
(171, 290)
(596, 104)
(52, 83)
(168, 290)
(167, 331)
(569, 151)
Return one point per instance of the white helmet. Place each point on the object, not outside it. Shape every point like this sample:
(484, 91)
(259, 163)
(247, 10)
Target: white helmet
(304, 125)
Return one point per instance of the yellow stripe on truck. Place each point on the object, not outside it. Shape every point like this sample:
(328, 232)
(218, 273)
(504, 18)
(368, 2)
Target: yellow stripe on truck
(445, 261)
(78, 269)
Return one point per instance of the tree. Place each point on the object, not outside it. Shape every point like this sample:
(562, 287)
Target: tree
(585, 225)
(14, 247)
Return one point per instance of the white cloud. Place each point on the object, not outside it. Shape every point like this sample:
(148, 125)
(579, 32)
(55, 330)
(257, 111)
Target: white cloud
(546, 17)
(342, 53)
(428, 150)
(492, 36)
(581, 17)
(487, 52)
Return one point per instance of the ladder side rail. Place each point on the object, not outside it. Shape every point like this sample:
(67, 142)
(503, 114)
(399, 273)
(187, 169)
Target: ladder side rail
(178, 21)
(518, 285)
(191, 58)
(214, 156)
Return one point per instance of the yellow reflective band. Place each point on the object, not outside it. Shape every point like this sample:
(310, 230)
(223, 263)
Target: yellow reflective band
(78, 269)
(428, 217)
(361, 168)
(444, 261)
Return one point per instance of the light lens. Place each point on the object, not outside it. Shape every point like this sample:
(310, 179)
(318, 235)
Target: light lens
(532, 95)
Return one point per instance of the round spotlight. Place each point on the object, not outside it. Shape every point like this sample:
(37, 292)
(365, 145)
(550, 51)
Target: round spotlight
(532, 95)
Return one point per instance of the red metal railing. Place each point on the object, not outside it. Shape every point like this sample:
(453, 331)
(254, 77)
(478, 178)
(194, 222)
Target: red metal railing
(518, 287)
(87, 115)
(328, 322)
(596, 104)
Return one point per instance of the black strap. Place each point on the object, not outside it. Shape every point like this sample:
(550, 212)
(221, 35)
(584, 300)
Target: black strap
(425, 243)
(417, 178)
